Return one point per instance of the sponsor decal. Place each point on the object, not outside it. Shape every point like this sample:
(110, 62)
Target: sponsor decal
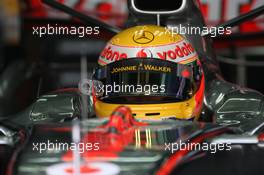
(157, 68)
(143, 37)
(123, 69)
(175, 52)
(141, 67)
(144, 53)
(111, 55)
(178, 52)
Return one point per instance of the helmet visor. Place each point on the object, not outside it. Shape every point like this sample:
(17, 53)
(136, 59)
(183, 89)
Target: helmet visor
(146, 80)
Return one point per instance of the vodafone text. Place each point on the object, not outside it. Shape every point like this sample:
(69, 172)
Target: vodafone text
(179, 51)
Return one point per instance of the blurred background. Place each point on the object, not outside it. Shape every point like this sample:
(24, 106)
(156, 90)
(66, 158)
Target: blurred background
(31, 66)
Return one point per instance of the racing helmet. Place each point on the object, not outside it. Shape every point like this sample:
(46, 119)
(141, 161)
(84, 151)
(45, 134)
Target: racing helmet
(153, 71)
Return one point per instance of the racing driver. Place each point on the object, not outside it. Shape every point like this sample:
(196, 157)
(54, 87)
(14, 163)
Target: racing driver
(153, 71)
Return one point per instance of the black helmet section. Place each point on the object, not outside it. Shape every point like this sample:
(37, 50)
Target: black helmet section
(168, 5)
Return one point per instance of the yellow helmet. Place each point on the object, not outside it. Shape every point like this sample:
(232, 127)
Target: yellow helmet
(151, 70)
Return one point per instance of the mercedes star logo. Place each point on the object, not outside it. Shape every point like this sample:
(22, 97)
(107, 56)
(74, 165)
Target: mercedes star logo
(143, 37)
